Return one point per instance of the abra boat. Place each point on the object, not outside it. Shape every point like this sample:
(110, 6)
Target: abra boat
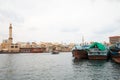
(54, 51)
(115, 52)
(79, 52)
(97, 51)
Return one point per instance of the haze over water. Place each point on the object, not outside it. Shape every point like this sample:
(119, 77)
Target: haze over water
(47, 66)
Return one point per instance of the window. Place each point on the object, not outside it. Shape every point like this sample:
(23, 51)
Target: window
(16, 46)
(12, 46)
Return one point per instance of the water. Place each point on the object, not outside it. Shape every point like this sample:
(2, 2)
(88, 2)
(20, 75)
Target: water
(55, 67)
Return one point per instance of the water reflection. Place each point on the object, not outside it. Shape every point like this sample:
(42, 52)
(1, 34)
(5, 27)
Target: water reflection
(96, 69)
(6, 66)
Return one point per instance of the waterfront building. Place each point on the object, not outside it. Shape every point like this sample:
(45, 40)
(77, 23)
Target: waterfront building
(24, 45)
(34, 45)
(38, 50)
(58, 46)
(25, 50)
(11, 46)
(14, 48)
(0, 48)
(49, 47)
(28, 45)
(114, 39)
(43, 44)
(32, 50)
(7, 45)
(71, 45)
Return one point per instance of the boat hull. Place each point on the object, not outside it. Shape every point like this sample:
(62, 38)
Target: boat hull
(116, 58)
(95, 53)
(115, 55)
(80, 54)
(97, 57)
(55, 52)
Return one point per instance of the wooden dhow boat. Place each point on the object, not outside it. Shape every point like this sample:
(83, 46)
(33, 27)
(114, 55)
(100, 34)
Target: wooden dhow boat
(97, 51)
(79, 52)
(115, 52)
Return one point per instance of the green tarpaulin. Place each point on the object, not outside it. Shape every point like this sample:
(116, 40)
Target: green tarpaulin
(98, 45)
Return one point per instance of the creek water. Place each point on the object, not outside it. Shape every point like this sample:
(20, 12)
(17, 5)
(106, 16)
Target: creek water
(62, 66)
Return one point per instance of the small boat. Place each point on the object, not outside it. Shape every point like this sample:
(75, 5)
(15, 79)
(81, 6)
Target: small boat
(115, 52)
(79, 52)
(54, 51)
(97, 51)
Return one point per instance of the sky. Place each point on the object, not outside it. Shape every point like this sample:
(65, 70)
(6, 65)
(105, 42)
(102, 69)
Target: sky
(65, 21)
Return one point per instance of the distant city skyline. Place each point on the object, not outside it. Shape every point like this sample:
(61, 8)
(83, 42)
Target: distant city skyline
(64, 21)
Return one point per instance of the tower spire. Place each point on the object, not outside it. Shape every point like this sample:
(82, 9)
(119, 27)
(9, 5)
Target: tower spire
(82, 40)
(10, 34)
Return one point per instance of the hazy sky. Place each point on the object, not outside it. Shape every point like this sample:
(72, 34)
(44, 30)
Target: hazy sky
(60, 20)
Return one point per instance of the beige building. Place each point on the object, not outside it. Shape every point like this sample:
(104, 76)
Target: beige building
(114, 39)
(24, 44)
(14, 48)
(7, 45)
(0, 48)
(28, 45)
(34, 45)
(4, 46)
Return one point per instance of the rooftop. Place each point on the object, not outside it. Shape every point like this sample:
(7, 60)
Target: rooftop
(114, 37)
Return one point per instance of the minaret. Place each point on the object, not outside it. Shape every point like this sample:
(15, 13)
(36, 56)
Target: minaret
(82, 40)
(10, 34)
